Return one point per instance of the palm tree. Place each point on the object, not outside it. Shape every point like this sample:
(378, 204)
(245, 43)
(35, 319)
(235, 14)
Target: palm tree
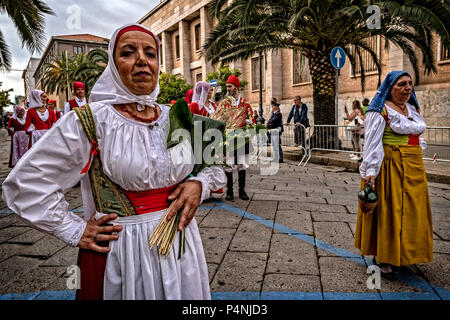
(28, 18)
(58, 74)
(90, 67)
(314, 28)
(63, 70)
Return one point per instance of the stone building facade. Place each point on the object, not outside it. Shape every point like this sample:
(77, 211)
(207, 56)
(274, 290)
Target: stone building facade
(27, 76)
(183, 25)
(72, 44)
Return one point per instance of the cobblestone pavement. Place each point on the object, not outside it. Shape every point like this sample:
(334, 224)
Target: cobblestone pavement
(292, 240)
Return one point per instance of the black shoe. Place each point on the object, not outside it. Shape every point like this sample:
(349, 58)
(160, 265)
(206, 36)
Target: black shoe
(229, 195)
(387, 275)
(242, 194)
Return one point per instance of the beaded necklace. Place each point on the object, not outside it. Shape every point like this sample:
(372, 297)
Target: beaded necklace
(139, 118)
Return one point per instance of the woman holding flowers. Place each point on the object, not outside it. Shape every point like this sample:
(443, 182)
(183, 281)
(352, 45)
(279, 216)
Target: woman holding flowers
(120, 141)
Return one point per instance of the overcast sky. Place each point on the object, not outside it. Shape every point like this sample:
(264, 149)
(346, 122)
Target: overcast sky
(97, 17)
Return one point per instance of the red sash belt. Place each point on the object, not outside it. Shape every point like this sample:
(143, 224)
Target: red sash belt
(150, 200)
(413, 140)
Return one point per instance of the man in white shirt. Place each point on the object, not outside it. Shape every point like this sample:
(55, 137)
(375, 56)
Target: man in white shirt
(79, 100)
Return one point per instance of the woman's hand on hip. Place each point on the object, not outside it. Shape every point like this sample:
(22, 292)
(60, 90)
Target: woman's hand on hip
(188, 195)
(98, 230)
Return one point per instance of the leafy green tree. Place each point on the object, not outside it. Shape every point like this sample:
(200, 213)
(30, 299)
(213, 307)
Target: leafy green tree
(314, 28)
(28, 18)
(4, 99)
(172, 87)
(222, 75)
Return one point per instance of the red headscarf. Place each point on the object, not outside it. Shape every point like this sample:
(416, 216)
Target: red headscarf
(188, 96)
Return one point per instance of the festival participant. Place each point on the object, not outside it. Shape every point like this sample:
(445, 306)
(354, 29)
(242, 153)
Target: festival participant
(188, 96)
(80, 97)
(127, 149)
(202, 105)
(201, 100)
(39, 118)
(52, 105)
(399, 232)
(20, 140)
(239, 161)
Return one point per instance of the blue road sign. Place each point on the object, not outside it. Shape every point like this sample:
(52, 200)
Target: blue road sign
(337, 57)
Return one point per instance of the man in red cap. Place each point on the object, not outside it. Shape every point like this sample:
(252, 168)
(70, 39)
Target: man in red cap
(238, 161)
(52, 105)
(79, 100)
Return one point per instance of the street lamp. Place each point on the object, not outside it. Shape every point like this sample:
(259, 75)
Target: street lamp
(260, 118)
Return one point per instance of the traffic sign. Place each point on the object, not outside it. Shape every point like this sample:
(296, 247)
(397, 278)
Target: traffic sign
(337, 57)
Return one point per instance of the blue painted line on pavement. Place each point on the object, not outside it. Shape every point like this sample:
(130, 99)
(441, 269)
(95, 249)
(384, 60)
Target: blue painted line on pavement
(409, 279)
(249, 295)
(426, 294)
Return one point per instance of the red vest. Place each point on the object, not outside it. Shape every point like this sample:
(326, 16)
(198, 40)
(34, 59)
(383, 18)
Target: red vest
(74, 104)
(33, 118)
(13, 123)
(195, 110)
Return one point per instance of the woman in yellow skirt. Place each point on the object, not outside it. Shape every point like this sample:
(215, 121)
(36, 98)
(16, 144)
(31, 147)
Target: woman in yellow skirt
(399, 232)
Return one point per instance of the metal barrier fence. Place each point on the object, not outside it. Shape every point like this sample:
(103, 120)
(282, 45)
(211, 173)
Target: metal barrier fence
(322, 138)
(438, 144)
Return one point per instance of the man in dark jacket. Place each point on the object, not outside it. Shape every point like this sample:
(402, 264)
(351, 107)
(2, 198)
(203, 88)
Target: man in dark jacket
(276, 123)
(300, 114)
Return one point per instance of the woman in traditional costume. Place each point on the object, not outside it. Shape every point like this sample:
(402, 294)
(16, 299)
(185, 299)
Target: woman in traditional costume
(19, 140)
(39, 118)
(130, 172)
(399, 232)
(201, 100)
(202, 105)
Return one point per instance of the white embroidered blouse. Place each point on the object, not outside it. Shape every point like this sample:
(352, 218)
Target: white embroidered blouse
(375, 124)
(133, 155)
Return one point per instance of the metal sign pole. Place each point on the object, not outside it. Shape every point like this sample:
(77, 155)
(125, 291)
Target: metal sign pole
(336, 110)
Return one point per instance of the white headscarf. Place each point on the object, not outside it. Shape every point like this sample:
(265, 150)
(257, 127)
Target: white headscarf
(201, 93)
(16, 112)
(35, 99)
(109, 88)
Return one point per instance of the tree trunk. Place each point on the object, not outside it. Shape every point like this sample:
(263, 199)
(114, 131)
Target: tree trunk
(323, 79)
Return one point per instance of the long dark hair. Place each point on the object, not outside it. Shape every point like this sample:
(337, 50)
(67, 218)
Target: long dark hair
(356, 105)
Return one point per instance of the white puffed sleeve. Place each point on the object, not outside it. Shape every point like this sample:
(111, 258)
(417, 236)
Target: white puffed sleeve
(422, 142)
(212, 178)
(373, 152)
(66, 108)
(35, 188)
